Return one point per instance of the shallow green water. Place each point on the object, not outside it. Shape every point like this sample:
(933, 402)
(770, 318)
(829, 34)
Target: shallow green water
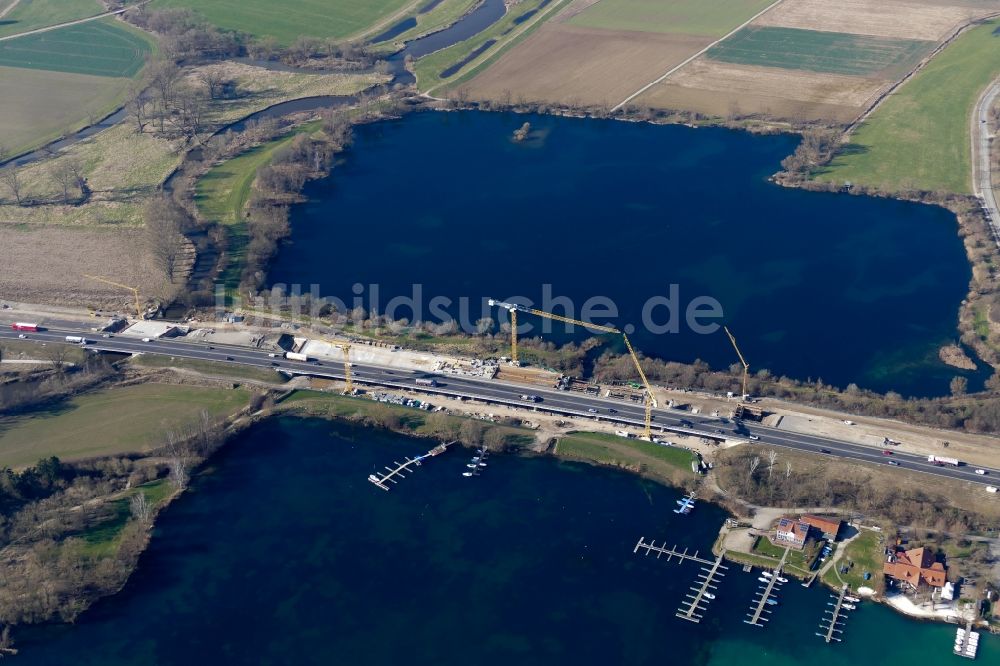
(285, 554)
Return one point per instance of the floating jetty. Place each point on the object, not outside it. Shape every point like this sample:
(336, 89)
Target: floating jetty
(394, 474)
(686, 505)
(477, 463)
(694, 605)
(759, 611)
(832, 622)
(966, 642)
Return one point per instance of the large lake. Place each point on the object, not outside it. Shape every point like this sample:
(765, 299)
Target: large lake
(283, 553)
(814, 285)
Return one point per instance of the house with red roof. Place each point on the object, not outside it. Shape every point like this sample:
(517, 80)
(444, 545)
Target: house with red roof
(915, 568)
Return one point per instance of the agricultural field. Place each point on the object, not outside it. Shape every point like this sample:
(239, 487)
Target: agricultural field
(45, 263)
(687, 17)
(919, 138)
(930, 20)
(596, 54)
(809, 60)
(97, 48)
(288, 20)
(59, 81)
(110, 421)
(17, 16)
(825, 52)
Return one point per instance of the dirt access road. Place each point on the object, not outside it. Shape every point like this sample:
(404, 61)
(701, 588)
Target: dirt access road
(982, 175)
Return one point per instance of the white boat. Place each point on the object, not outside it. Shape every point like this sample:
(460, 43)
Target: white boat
(708, 595)
(766, 574)
(853, 600)
(763, 580)
(771, 602)
(782, 580)
(848, 606)
(467, 474)
(472, 466)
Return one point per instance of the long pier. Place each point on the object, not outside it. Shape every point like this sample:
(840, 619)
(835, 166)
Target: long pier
(393, 474)
(829, 624)
(756, 614)
(671, 553)
(696, 603)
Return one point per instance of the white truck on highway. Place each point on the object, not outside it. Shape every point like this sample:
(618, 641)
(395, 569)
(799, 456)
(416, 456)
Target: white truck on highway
(295, 356)
(76, 339)
(938, 460)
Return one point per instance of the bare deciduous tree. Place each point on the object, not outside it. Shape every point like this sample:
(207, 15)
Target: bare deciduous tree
(12, 181)
(178, 473)
(142, 510)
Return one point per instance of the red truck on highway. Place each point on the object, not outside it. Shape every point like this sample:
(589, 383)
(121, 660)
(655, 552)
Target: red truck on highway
(21, 326)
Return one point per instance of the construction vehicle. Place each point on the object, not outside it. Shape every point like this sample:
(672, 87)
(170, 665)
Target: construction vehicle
(746, 366)
(134, 290)
(514, 308)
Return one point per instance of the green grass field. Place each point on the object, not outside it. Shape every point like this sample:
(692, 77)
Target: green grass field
(102, 539)
(287, 20)
(669, 462)
(919, 137)
(34, 14)
(689, 17)
(110, 421)
(222, 193)
(98, 48)
(828, 52)
(216, 368)
(862, 555)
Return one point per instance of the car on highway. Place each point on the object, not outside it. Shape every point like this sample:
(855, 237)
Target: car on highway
(893, 462)
(147, 339)
(826, 451)
(612, 410)
(275, 363)
(754, 438)
(981, 472)
(22, 336)
(592, 410)
(886, 452)
(229, 358)
(106, 335)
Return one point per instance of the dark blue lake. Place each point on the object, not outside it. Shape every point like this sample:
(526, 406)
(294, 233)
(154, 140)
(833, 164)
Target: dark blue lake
(283, 553)
(813, 285)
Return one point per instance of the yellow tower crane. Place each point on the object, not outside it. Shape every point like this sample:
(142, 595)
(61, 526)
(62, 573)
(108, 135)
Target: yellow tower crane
(344, 347)
(134, 290)
(746, 366)
(514, 308)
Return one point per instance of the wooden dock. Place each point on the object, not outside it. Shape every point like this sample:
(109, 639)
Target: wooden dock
(671, 553)
(393, 474)
(760, 606)
(694, 605)
(966, 642)
(831, 626)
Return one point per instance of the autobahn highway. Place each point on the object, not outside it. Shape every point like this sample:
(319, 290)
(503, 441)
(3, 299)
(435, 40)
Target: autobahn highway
(568, 403)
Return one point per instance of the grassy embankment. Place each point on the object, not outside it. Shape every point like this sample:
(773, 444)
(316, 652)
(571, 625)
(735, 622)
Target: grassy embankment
(919, 138)
(507, 32)
(395, 417)
(34, 14)
(443, 15)
(27, 350)
(110, 421)
(672, 464)
(222, 194)
(213, 368)
(102, 539)
(287, 20)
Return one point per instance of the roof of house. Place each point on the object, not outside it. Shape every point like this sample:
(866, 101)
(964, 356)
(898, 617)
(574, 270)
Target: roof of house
(797, 528)
(825, 525)
(916, 566)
